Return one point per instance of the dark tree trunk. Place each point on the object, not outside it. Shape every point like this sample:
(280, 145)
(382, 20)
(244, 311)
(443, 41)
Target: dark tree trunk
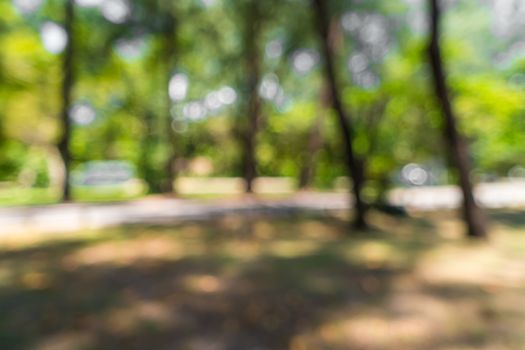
(169, 57)
(253, 72)
(148, 138)
(315, 142)
(147, 147)
(353, 163)
(250, 141)
(474, 216)
(66, 95)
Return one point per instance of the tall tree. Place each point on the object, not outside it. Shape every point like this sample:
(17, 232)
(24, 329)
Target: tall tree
(458, 149)
(251, 38)
(169, 39)
(353, 163)
(68, 58)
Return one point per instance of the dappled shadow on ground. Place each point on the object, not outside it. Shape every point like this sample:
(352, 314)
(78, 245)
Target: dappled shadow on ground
(255, 283)
(514, 218)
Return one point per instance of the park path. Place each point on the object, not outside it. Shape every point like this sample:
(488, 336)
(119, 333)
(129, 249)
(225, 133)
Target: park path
(505, 194)
(78, 216)
(156, 209)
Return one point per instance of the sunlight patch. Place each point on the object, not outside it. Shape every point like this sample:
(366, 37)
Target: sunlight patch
(264, 230)
(125, 253)
(370, 332)
(126, 320)
(373, 331)
(319, 230)
(473, 265)
(244, 250)
(5, 276)
(292, 249)
(67, 341)
(373, 254)
(203, 284)
(35, 280)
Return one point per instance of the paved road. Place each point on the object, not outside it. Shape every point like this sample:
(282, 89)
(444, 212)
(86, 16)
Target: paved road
(73, 217)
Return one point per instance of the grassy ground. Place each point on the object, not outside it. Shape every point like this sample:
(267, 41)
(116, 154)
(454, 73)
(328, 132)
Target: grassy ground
(286, 283)
(193, 188)
(18, 196)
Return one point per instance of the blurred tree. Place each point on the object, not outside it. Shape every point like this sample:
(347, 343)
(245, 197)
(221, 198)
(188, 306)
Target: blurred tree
(168, 31)
(67, 88)
(353, 163)
(474, 216)
(251, 20)
(125, 59)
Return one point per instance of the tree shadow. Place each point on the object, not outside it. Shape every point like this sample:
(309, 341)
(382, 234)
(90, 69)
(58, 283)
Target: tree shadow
(227, 283)
(509, 217)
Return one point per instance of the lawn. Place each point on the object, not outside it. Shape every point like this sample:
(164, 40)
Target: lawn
(19, 196)
(300, 282)
(187, 187)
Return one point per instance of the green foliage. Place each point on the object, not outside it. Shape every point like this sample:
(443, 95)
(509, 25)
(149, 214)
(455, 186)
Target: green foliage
(396, 118)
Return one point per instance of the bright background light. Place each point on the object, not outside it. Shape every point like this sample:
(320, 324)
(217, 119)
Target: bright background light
(27, 6)
(116, 11)
(178, 87)
(54, 37)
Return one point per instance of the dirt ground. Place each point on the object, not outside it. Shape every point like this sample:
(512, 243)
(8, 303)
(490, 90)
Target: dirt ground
(293, 282)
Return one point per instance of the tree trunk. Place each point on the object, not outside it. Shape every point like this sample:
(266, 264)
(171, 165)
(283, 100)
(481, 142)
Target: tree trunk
(315, 142)
(148, 145)
(353, 164)
(474, 216)
(253, 71)
(67, 87)
(169, 56)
